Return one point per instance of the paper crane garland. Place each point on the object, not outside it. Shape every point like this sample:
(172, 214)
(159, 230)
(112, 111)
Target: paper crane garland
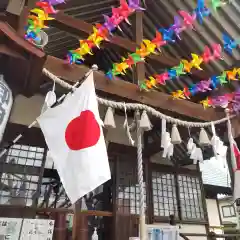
(213, 53)
(207, 85)
(102, 32)
(169, 35)
(229, 100)
(36, 22)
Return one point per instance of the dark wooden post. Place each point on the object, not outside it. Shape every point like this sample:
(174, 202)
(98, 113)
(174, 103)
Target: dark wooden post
(60, 226)
(139, 74)
(80, 224)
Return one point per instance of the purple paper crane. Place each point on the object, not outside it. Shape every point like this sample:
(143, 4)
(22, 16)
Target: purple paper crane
(109, 24)
(177, 27)
(203, 86)
(220, 101)
(237, 96)
(54, 2)
(135, 4)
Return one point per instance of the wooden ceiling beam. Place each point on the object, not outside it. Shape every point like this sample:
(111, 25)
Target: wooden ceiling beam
(4, 49)
(81, 28)
(19, 42)
(131, 92)
(27, 60)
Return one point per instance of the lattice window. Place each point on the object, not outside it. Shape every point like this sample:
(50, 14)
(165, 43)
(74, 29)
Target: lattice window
(190, 198)
(18, 184)
(128, 189)
(164, 194)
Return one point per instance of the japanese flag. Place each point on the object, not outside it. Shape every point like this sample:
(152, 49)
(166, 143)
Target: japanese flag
(75, 140)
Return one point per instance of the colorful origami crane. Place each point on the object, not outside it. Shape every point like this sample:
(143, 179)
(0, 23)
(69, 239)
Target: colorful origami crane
(232, 75)
(217, 51)
(188, 19)
(201, 11)
(162, 78)
(167, 34)
(150, 46)
(41, 14)
(187, 65)
(229, 44)
(196, 61)
(217, 4)
(203, 86)
(206, 103)
(207, 55)
(177, 27)
(158, 41)
(223, 78)
(179, 94)
(47, 7)
(179, 69)
(54, 2)
(135, 4)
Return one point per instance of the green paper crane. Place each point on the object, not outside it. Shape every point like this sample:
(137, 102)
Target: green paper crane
(136, 58)
(216, 4)
(223, 78)
(179, 69)
(144, 86)
(75, 56)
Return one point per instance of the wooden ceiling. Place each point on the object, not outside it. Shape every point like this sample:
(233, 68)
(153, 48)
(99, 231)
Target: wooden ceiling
(27, 74)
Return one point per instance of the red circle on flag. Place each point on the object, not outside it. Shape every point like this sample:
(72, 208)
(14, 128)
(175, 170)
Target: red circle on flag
(83, 131)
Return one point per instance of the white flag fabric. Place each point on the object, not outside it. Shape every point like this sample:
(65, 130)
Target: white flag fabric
(74, 136)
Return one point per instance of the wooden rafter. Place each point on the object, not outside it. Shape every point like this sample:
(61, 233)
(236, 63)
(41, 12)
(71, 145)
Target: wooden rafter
(118, 87)
(131, 91)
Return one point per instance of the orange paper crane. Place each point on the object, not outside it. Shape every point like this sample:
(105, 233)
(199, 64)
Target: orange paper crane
(187, 65)
(231, 75)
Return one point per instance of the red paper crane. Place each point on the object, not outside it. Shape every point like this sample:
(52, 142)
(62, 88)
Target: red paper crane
(158, 40)
(47, 7)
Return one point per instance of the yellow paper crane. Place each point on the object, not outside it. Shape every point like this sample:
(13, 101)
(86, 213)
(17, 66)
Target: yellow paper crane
(151, 47)
(41, 14)
(153, 81)
(95, 38)
(179, 94)
(187, 65)
(205, 103)
(84, 48)
(196, 61)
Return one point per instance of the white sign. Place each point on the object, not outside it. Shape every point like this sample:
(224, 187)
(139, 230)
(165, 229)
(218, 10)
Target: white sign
(165, 232)
(10, 228)
(6, 101)
(37, 229)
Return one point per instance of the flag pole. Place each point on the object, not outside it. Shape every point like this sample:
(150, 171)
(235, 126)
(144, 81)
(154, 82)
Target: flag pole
(142, 220)
(52, 76)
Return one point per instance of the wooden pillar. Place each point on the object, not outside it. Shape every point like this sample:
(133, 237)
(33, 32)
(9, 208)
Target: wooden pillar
(17, 13)
(139, 74)
(60, 226)
(80, 223)
(204, 202)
